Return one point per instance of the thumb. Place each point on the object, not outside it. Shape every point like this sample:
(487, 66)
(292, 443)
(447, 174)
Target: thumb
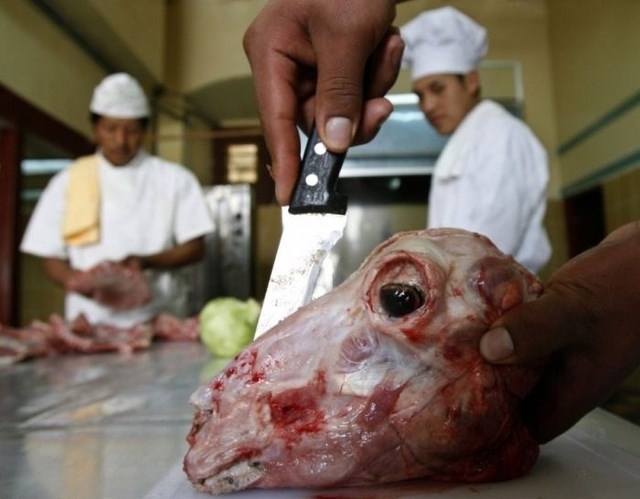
(356, 65)
(339, 100)
(594, 291)
(532, 330)
(350, 91)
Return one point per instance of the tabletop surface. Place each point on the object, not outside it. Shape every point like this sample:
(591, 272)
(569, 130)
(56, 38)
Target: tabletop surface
(114, 426)
(105, 425)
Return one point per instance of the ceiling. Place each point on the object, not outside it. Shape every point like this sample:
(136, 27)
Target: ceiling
(230, 102)
(227, 103)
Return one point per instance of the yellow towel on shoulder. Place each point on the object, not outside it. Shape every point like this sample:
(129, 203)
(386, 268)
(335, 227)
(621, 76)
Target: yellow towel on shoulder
(82, 213)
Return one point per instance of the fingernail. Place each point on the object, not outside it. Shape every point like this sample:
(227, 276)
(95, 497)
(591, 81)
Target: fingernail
(496, 345)
(281, 197)
(338, 133)
(384, 117)
(396, 53)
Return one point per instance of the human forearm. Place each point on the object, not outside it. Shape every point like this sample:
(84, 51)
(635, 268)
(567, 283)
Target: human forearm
(58, 270)
(61, 273)
(586, 324)
(325, 61)
(189, 252)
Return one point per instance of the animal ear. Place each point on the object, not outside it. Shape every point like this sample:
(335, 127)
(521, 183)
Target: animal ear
(503, 285)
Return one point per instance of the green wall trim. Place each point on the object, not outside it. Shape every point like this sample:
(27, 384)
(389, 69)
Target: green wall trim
(602, 173)
(600, 123)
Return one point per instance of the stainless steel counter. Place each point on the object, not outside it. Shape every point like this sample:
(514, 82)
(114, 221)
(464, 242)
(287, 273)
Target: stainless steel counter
(112, 426)
(97, 426)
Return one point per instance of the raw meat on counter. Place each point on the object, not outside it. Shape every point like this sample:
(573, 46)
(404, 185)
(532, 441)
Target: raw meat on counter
(83, 337)
(171, 328)
(378, 381)
(55, 337)
(35, 340)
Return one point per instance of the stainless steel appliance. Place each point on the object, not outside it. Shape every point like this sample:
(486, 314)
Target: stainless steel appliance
(227, 268)
(387, 185)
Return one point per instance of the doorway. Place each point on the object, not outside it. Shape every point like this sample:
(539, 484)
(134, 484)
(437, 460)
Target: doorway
(26, 133)
(585, 220)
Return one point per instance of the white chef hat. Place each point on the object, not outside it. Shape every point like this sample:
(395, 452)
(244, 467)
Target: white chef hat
(119, 96)
(443, 41)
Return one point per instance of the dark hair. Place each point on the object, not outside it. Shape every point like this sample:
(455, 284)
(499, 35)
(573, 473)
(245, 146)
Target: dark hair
(461, 77)
(94, 118)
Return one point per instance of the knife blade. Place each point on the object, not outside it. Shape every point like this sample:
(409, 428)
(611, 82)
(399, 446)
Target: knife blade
(311, 225)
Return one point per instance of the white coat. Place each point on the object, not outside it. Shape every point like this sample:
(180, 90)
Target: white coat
(491, 178)
(146, 207)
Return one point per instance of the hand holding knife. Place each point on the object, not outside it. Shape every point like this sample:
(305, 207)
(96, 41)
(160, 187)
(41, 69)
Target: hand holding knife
(312, 224)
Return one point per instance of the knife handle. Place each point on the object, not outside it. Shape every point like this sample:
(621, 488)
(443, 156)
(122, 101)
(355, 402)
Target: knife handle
(315, 190)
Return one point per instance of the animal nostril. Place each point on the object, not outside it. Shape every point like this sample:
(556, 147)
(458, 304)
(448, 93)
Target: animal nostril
(400, 299)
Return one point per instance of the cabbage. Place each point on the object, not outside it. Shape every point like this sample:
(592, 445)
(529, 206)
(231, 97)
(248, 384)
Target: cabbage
(228, 324)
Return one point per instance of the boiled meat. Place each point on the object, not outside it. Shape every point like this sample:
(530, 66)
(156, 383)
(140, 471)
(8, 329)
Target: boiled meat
(378, 381)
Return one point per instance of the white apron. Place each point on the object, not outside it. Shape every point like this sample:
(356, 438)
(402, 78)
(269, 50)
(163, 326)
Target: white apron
(491, 178)
(146, 207)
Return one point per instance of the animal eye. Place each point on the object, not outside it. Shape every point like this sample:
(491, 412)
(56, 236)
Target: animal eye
(400, 299)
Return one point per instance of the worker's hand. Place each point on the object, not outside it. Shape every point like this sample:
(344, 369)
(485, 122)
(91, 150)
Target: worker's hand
(328, 61)
(81, 282)
(135, 263)
(113, 284)
(586, 324)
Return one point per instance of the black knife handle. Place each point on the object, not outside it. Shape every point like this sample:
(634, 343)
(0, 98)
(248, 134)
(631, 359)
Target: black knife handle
(315, 190)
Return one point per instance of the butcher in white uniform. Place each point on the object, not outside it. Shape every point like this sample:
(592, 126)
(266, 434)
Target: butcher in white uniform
(492, 175)
(120, 205)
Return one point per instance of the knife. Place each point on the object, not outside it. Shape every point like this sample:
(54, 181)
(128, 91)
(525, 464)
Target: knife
(311, 225)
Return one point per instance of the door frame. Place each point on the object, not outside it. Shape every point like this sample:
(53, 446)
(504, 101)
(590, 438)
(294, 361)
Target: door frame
(18, 117)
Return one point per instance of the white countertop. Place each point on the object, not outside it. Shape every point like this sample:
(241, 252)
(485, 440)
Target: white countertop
(96, 426)
(112, 426)
(583, 463)
(613, 430)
